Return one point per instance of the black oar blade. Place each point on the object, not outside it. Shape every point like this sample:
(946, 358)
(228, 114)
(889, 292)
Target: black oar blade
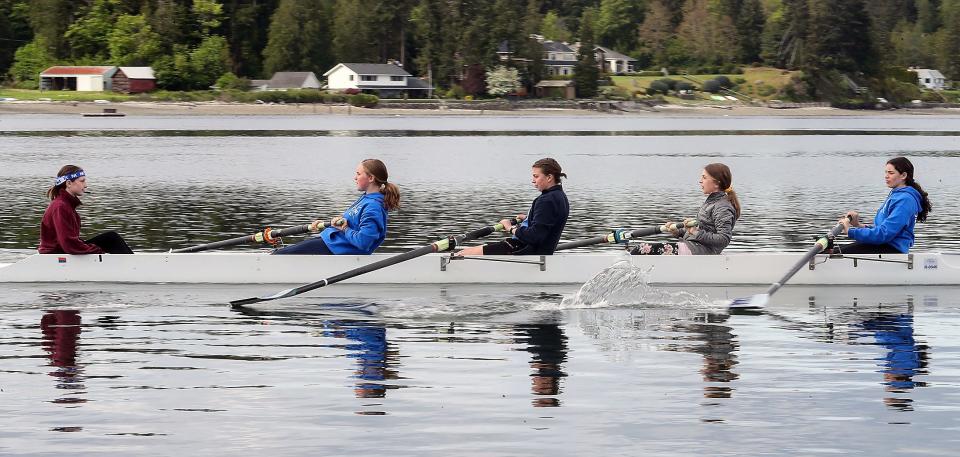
(249, 301)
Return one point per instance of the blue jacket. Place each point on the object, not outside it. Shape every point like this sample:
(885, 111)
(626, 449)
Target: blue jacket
(894, 222)
(366, 227)
(541, 231)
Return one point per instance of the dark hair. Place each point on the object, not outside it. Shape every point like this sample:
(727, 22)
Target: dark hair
(54, 191)
(550, 167)
(903, 165)
(722, 175)
(391, 193)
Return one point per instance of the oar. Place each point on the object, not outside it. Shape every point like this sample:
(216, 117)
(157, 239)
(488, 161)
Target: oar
(266, 236)
(445, 244)
(622, 235)
(761, 300)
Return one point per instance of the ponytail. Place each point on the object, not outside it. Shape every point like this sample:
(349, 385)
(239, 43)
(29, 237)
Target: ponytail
(903, 165)
(732, 197)
(925, 205)
(391, 196)
(390, 191)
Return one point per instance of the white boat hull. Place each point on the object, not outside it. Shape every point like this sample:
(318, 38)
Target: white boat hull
(564, 268)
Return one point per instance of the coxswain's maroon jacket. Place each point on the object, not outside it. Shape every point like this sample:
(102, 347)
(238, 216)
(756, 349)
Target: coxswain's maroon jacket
(60, 228)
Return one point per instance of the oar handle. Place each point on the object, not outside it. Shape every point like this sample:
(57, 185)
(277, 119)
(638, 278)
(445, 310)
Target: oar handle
(624, 235)
(266, 235)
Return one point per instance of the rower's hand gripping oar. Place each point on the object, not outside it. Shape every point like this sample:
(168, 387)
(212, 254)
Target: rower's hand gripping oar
(761, 300)
(623, 235)
(268, 236)
(445, 244)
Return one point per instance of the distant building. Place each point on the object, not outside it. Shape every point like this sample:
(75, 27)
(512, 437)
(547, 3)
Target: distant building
(134, 80)
(83, 79)
(560, 59)
(286, 80)
(930, 79)
(385, 79)
(556, 89)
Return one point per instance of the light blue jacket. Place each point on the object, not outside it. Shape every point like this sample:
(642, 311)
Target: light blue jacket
(366, 227)
(894, 222)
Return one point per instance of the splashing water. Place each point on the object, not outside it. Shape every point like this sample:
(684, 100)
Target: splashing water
(624, 284)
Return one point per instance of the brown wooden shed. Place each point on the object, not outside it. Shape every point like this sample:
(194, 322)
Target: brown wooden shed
(134, 80)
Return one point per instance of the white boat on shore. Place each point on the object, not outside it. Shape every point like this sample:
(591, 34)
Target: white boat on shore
(561, 268)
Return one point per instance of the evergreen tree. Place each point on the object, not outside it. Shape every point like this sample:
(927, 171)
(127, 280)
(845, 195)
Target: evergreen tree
(299, 38)
(618, 22)
(750, 24)
(552, 28)
(950, 39)
(840, 37)
(792, 50)
(586, 73)
(655, 32)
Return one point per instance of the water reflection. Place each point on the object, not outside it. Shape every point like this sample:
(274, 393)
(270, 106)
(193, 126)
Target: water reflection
(905, 357)
(547, 345)
(890, 327)
(374, 355)
(61, 334)
(718, 346)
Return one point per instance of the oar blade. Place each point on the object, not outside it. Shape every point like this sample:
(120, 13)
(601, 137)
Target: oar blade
(249, 301)
(757, 301)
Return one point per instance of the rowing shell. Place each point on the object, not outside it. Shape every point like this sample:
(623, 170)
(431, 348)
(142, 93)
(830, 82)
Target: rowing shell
(561, 268)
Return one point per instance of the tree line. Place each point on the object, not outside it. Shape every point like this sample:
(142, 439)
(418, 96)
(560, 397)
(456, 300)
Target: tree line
(191, 43)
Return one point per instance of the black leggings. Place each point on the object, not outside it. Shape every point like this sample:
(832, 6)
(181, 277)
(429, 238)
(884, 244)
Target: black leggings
(864, 248)
(111, 243)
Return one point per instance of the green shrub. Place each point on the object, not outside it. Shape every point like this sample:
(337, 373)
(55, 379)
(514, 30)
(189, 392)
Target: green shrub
(684, 85)
(713, 86)
(456, 91)
(670, 83)
(658, 87)
(739, 81)
(364, 100)
(724, 81)
(230, 81)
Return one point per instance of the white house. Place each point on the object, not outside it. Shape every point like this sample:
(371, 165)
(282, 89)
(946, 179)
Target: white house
(559, 59)
(88, 79)
(930, 79)
(385, 79)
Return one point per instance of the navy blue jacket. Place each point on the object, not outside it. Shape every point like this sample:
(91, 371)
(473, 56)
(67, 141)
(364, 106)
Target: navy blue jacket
(541, 231)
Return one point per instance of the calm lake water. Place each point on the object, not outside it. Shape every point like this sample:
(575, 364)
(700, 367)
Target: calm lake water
(473, 370)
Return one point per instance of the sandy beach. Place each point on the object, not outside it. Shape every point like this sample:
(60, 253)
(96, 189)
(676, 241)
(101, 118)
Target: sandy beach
(246, 109)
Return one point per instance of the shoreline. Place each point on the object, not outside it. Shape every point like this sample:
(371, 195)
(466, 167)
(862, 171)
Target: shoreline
(304, 109)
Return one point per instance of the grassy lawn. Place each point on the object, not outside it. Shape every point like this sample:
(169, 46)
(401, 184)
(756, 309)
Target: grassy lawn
(65, 95)
(761, 83)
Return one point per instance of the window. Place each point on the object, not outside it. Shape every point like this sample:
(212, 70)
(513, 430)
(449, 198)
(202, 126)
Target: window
(397, 78)
(566, 71)
(928, 80)
(351, 77)
(368, 77)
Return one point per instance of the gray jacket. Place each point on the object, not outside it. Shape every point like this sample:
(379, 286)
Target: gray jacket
(715, 222)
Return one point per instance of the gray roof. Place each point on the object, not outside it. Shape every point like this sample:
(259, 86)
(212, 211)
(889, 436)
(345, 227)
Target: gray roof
(556, 46)
(289, 79)
(611, 54)
(376, 69)
(138, 72)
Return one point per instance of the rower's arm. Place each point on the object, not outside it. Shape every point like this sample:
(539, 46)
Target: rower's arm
(885, 231)
(547, 217)
(366, 235)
